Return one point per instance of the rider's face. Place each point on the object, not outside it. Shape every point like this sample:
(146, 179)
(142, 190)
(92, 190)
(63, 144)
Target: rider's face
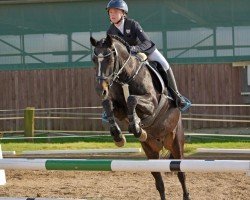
(115, 15)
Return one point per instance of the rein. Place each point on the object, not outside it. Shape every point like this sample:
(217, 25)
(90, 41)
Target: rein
(114, 76)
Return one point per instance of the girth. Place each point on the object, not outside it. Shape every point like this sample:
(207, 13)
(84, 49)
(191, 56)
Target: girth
(149, 120)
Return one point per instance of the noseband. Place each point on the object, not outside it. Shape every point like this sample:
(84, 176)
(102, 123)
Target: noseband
(116, 72)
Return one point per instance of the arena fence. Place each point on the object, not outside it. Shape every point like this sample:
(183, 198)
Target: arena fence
(30, 116)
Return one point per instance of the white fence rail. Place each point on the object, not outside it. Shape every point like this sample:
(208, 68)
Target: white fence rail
(47, 117)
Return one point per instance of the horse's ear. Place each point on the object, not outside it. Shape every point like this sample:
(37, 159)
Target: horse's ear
(93, 41)
(108, 41)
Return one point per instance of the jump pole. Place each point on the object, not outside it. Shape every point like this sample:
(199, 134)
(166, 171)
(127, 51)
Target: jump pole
(128, 165)
(2, 172)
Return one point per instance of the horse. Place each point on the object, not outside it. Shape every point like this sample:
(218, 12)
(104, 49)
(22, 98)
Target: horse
(130, 92)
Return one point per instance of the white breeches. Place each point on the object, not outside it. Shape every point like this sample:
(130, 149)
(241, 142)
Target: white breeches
(157, 56)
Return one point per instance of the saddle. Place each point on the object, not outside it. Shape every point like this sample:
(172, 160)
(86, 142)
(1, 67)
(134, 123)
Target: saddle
(155, 69)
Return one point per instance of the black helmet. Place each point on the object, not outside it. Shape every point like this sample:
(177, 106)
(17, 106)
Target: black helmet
(119, 4)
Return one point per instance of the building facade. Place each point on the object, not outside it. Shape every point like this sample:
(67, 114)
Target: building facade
(45, 53)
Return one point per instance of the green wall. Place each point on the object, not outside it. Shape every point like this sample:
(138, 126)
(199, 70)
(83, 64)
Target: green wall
(56, 34)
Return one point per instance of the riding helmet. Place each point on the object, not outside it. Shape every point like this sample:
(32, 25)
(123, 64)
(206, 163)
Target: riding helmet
(119, 4)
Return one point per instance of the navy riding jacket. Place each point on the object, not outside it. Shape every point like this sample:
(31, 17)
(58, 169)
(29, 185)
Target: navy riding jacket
(134, 36)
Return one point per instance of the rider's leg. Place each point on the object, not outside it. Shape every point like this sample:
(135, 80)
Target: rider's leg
(168, 78)
(171, 83)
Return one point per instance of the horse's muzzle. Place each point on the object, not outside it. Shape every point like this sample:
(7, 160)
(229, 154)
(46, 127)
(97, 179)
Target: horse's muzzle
(102, 89)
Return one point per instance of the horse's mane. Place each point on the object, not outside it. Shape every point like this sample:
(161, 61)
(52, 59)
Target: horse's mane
(120, 40)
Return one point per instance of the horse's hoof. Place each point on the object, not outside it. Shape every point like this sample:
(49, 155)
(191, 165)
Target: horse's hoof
(186, 197)
(122, 142)
(143, 136)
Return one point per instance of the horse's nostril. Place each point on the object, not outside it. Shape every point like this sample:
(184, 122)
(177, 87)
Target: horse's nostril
(104, 92)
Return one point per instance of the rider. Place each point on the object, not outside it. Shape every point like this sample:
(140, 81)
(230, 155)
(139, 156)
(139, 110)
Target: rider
(131, 31)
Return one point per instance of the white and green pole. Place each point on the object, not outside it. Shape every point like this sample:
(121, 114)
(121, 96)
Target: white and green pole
(2, 172)
(128, 165)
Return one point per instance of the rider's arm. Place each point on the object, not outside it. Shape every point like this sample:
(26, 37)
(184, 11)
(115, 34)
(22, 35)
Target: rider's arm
(145, 42)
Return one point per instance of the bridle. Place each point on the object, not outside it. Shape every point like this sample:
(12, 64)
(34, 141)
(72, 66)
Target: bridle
(114, 76)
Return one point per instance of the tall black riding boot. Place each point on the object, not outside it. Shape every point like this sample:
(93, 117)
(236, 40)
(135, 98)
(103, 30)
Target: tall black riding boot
(169, 80)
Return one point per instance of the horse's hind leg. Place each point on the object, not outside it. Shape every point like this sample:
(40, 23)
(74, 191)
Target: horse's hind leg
(115, 130)
(182, 179)
(157, 175)
(177, 153)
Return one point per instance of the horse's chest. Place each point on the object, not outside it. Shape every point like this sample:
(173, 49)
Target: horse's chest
(119, 98)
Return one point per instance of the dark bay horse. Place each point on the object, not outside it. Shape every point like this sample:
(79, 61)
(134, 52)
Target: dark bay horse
(130, 93)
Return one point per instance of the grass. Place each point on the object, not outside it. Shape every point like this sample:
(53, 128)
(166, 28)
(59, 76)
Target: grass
(190, 148)
(192, 143)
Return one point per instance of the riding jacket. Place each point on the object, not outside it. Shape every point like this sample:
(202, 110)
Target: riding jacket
(134, 36)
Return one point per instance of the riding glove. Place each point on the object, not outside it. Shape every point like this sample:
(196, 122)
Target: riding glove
(134, 49)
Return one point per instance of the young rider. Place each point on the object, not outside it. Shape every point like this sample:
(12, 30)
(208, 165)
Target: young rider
(131, 31)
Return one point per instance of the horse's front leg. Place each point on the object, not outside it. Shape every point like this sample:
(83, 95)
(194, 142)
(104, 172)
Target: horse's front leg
(146, 105)
(177, 152)
(115, 130)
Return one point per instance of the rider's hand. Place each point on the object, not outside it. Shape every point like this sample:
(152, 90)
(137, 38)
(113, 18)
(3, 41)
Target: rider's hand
(134, 49)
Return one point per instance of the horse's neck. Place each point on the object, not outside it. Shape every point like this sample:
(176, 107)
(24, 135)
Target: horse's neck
(126, 59)
(121, 50)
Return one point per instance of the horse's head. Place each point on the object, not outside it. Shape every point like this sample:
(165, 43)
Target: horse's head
(106, 64)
